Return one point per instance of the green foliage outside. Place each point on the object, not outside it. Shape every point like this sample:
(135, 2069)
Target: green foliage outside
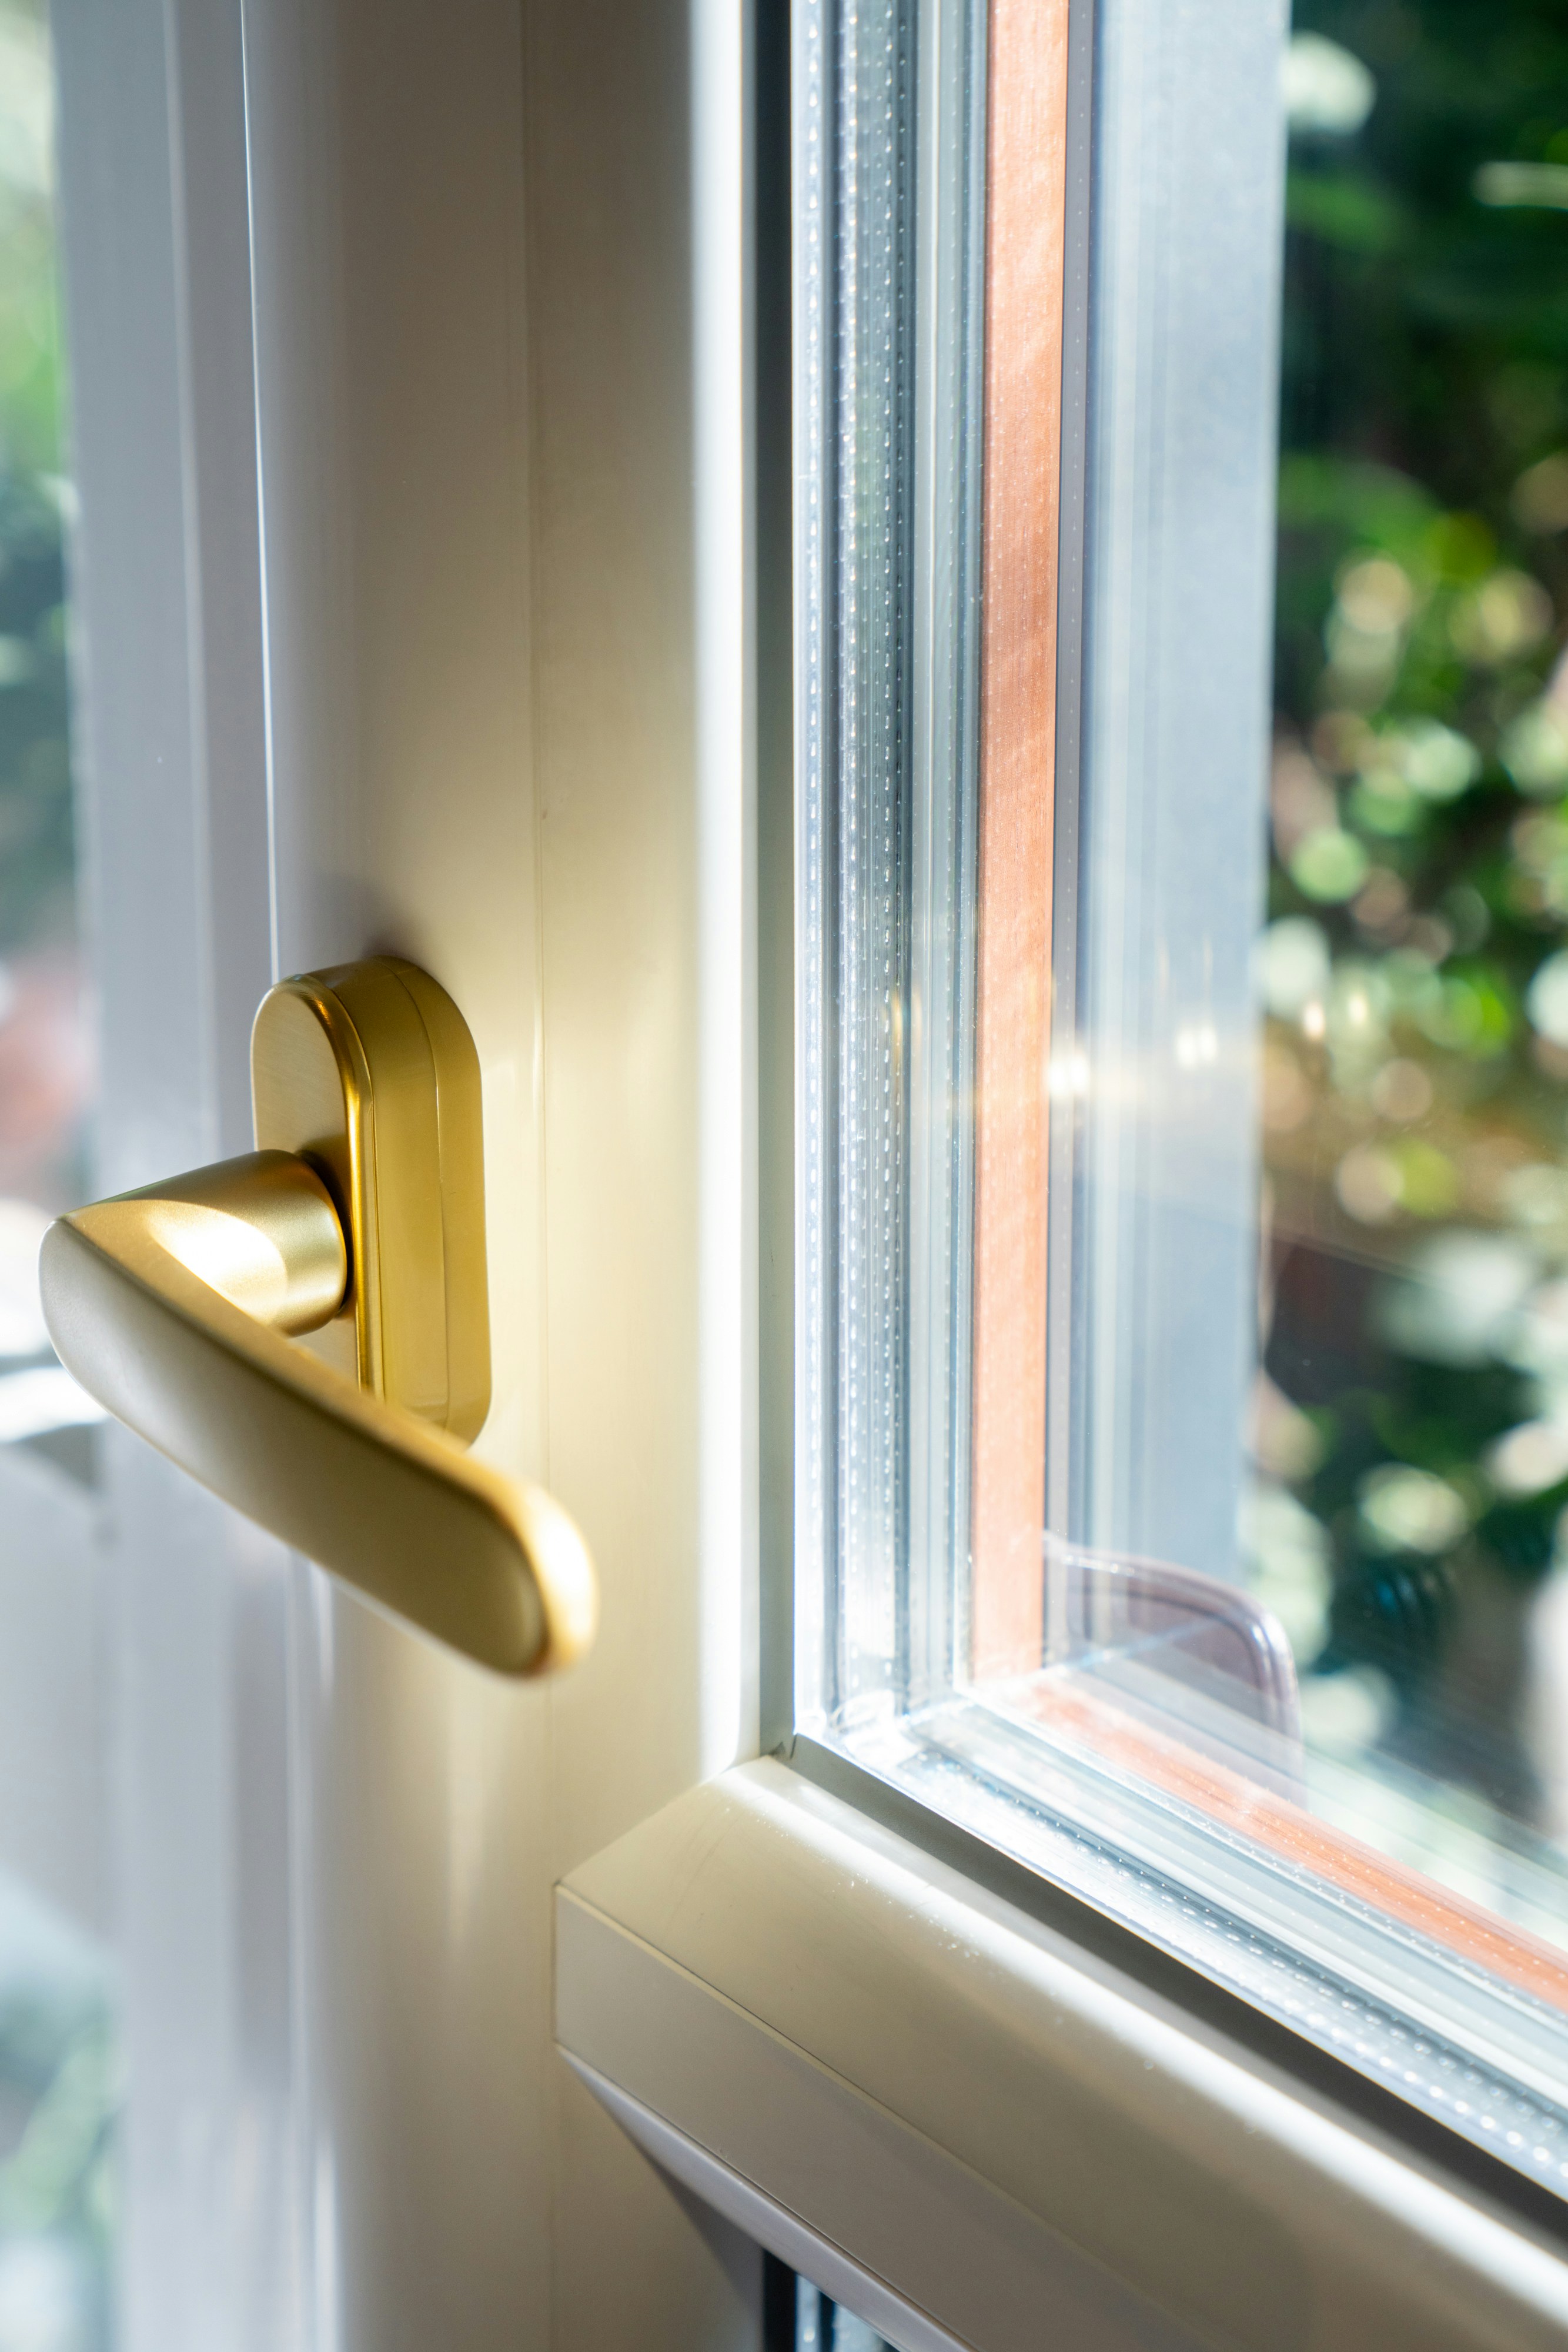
(37, 847)
(59, 2055)
(1415, 1082)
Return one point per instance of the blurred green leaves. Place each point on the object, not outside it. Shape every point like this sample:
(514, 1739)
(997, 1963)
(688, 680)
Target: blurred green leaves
(1342, 210)
(1416, 1074)
(38, 856)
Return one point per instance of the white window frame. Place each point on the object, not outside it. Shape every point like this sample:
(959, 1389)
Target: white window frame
(955, 2112)
(954, 2118)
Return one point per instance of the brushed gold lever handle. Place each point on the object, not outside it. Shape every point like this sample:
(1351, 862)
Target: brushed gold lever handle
(173, 1306)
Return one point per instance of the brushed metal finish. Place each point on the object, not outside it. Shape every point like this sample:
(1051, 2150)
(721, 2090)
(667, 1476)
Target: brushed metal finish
(171, 1304)
(369, 1070)
(263, 1230)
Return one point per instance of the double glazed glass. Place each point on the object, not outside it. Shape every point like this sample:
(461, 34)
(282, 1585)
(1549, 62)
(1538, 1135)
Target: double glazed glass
(1182, 1213)
(887, 560)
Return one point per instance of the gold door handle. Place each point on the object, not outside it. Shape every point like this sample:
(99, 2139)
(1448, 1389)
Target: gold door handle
(361, 1220)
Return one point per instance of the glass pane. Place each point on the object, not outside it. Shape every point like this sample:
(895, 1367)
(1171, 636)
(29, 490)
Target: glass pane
(889, 301)
(823, 2326)
(1182, 1400)
(888, 554)
(1410, 1410)
(45, 1048)
(798, 2317)
(58, 2062)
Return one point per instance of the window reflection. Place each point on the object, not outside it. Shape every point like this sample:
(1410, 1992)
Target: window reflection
(59, 2049)
(45, 1059)
(1410, 1420)
(1182, 1416)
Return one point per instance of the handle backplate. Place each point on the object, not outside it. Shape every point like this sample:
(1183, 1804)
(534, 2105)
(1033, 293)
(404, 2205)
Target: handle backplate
(368, 1071)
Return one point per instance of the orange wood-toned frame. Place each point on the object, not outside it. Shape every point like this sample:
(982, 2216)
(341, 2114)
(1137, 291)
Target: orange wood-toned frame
(1067, 1709)
(1026, 175)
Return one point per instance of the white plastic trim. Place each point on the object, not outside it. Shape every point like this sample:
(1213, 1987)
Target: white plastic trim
(768, 2224)
(1020, 2143)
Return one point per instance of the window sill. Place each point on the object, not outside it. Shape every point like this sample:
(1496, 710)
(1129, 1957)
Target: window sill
(992, 2129)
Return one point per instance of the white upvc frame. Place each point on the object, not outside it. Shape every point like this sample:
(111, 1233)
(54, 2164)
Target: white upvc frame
(957, 2121)
(954, 2118)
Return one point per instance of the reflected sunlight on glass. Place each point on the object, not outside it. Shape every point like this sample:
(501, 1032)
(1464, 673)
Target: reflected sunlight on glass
(1182, 1336)
(1410, 1428)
